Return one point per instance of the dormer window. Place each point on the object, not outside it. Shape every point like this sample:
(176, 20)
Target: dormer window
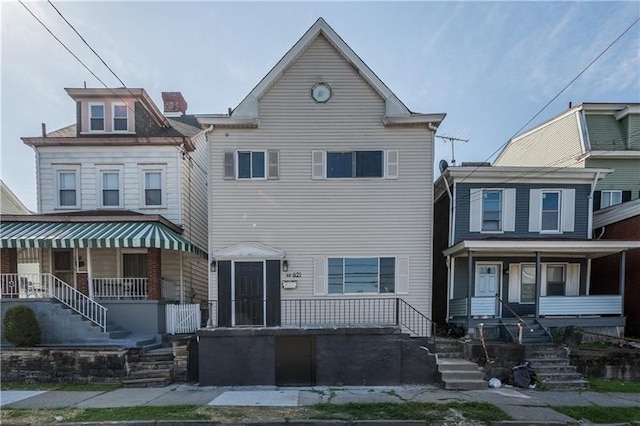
(96, 117)
(120, 122)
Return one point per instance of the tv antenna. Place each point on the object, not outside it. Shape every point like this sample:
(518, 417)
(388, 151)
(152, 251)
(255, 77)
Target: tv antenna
(452, 140)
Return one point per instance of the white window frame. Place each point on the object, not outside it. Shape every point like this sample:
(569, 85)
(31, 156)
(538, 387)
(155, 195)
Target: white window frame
(533, 302)
(106, 168)
(113, 117)
(251, 152)
(610, 193)
(155, 168)
(104, 117)
(558, 229)
(507, 210)
(344, 293)
(75, 169)
(545, 277)
(501, 212)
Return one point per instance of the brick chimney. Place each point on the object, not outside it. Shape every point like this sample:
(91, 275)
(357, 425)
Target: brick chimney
(174, 104)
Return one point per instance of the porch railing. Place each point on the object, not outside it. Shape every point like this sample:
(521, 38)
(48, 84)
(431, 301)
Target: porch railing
(182, 318)
(581, 305)
(119, 288)
(312, 313)
(49, 286)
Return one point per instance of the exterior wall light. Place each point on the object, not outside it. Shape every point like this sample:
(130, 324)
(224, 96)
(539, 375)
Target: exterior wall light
(214, 264)
(285, 265)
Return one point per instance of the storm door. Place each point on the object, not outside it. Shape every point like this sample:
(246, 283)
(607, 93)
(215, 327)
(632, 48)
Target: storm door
(63, 265)
(249, 293)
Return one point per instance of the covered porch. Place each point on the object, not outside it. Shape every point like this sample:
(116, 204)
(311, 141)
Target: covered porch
(497, 281)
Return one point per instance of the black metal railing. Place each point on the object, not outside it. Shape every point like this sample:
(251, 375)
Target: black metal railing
(319, 313)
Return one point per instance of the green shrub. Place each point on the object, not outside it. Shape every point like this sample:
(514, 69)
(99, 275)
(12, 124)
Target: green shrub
(21, 326)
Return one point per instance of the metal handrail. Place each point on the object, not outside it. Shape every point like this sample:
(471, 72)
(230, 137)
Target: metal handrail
(513, 312)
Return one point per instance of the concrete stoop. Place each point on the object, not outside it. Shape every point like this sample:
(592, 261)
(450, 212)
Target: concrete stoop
(551, 364)
(460, 374)
(153, 369)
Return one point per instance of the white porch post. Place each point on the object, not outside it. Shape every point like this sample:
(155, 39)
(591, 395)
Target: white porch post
(469, 288)
(538, 283)
(623, 267)
(182, 279)
(90, 274)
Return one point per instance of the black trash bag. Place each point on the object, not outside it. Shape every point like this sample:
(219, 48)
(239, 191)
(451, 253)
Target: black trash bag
(523, 376)
(455, 330)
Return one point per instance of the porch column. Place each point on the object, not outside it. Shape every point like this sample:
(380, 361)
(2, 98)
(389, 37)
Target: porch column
(90, 274)
(154, 276)
(469, 288)
(538, 283)
(623, 269)
(8, 261)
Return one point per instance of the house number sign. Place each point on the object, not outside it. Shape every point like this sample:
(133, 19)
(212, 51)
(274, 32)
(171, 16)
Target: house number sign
(293, 275)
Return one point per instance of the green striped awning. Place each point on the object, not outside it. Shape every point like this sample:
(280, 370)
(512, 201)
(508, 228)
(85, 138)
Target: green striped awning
(93, 235)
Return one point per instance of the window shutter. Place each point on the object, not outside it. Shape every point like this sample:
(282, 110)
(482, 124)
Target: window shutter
(568, 209)
(402, 283)
(509, 210)
(392, 164)
(514, 283)
(229, 165)
(543, 280)
(475, 210)
(535, 212)
(317, 166)
(626, 196)
(318, 276)
(274, 164)
(597, 200)
(573, 280)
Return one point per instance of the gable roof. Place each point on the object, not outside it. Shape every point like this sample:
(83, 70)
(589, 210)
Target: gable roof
(246, 113)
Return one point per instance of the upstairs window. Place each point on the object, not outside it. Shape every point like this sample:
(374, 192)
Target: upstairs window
(610, 198)
(361, 275)
(120, 119)
(67, 181)
(550, 220)
(110, 188)
(96, 117)
(491, 210)
(153, 188)
(355, 164)
(251, 164)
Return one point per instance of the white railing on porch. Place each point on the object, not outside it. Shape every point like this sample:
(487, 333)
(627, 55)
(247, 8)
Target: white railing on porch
(581, 305)
(49, 286)
(182, 318)
(119, 288)
(483, 306)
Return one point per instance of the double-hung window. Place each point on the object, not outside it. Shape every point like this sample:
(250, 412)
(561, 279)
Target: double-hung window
(556, 280)
(610, 198)
(527, 284)
(67, 188)
(96, 117)
(120, 118)
(491, 210)
(550, 220)
(153, 187)
(251, 164)
(355, 164)
(361, 275)
(110, 188)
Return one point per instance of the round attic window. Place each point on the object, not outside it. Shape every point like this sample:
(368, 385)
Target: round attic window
(321, 92)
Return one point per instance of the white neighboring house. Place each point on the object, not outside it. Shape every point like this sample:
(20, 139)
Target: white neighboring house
(10, 203)
(321, 196)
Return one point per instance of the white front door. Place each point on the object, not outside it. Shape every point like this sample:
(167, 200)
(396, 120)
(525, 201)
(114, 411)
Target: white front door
(487, 280)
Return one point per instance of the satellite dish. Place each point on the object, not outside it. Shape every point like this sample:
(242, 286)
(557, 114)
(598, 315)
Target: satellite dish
(443, 165)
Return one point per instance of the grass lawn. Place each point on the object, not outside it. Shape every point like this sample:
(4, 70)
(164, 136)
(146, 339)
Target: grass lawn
(613, 385)
(89, 387)
(598, 414)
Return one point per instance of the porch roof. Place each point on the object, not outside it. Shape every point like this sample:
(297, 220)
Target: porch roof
(571, 248)
(54, 234)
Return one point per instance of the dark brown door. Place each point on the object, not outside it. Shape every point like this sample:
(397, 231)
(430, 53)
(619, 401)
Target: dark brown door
(63, 265)
(295, 361)
(249, 289)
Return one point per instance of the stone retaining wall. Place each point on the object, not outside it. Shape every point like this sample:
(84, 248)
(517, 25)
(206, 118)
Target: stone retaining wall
(607, 363)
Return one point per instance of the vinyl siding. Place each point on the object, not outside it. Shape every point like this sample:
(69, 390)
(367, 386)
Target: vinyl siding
(326, 218)
(462, 194)
(90, 160)
(633, 133)
(556, 144)
(605, 133)
(626, 175)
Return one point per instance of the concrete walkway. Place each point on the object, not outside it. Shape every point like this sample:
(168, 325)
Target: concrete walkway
(521, 404)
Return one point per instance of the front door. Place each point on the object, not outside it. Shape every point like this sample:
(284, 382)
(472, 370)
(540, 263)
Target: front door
(249, 293)
(487, 280)
(63, 265)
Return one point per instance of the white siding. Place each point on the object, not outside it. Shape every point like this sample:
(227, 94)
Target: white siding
(317, 218)
(556, 144)
(90, 160)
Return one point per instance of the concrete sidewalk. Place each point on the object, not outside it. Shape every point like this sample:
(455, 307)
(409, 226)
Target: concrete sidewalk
(522, 405)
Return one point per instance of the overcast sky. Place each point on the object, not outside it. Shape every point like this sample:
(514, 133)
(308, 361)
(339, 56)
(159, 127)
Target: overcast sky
(489, 65)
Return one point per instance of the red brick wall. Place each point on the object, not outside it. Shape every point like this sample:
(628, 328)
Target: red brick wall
(605, 272)
(82, 281)
(154, 268)
(8, 261)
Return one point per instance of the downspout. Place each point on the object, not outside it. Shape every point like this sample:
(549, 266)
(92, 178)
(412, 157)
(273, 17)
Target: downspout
(590, 220)
(450, 274)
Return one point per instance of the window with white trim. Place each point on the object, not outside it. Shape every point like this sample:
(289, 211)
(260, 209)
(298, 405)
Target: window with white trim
(96, 117)
(120, 117)
(68, 183)
(556, 280)
(491, 210)
(361, 275)
(354, 164)
(252, 164)
(153, 191)
(550, 220)
(610, 198)
(110, 188)
(528, 284)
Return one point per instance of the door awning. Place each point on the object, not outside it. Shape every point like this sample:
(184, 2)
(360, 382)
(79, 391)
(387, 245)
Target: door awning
(93, 235)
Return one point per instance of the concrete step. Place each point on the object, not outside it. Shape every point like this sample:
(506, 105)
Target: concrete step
(146, 383)
(120, 334)
(567, 385)
(448, 376)
(151, 365)
(456, 364)
(540, 362)
(553, 368)
(558, 377)
(164, 373)
(465, 385)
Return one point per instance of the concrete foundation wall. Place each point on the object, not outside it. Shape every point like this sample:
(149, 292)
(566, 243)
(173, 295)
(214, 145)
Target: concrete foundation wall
(137, 316)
